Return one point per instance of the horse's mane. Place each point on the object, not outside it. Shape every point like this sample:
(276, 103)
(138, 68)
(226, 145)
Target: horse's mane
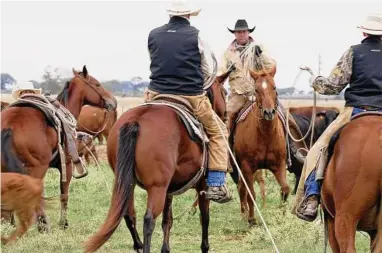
(63, 95)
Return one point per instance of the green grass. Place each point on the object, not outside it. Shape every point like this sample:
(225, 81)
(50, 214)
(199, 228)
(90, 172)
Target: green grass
(89, 202)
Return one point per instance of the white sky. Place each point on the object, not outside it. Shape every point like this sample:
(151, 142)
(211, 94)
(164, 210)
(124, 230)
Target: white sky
(110, 37)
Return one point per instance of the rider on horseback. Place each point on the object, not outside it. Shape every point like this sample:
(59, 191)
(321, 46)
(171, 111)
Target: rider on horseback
(179, 68)
(239, 54)
(360, 66)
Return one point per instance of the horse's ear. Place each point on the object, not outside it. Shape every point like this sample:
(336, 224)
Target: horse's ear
(84, 71)
(254, 74)
(75, 72)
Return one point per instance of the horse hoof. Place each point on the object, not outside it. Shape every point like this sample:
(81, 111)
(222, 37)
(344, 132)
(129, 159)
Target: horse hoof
(252, 222)
(63, 225)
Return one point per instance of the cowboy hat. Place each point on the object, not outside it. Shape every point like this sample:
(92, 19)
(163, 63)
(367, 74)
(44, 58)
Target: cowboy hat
(372, 25)
(241, 25)
(180, 8)
(22, 86)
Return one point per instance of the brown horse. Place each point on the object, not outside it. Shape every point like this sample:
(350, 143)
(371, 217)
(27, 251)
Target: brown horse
(306, 111)
(259, 141)
(21, 194)
(96, 121)
(29, 140)
(352, 188)
(86, 146)
(173, 160)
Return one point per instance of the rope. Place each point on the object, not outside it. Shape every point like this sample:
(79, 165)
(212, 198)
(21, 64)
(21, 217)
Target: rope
(245, 183)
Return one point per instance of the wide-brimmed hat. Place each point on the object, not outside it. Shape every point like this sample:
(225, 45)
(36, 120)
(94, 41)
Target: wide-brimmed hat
(21, 86)
(180, 8)
(241, 25)
(372, 24)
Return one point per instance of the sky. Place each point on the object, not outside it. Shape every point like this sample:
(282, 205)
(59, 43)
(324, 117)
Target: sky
(110, 37)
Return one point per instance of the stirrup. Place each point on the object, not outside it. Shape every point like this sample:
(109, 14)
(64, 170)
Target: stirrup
(78, 167)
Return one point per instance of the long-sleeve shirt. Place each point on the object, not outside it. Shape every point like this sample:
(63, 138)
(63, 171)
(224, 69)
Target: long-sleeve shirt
(240, 80)
(338, 79)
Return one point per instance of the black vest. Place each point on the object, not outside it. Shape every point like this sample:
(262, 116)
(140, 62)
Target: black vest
(175, 59)
(366, 81)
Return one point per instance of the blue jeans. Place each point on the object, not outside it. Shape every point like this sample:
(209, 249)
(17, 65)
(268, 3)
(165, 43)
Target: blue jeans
(215, 178)
(311, 185)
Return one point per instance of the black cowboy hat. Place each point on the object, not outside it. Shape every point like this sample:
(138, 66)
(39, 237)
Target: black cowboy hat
(241, 25)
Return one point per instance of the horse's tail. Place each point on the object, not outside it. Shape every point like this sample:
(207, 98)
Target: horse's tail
(123, 186)
(11, 160)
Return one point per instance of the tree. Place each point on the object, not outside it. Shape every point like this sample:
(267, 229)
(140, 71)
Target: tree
(7, 81)
(52, 80)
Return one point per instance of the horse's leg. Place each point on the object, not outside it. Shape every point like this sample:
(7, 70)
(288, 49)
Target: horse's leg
(345, 229)
(167, 224)
(64, 188)
(156, 197)
(100, 138)
(243, 198)
(251, 214)
(204, 207)
(25, 218)
(248, 176)
(94, 151)
(259, 177)
(332, 235)
(131, 223)
(280, 175)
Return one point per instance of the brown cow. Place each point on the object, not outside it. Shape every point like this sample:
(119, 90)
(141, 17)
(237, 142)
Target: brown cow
(21, 194)
(96, 121)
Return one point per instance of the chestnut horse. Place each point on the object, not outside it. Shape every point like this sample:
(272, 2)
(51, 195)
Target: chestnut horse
(174, 159)
(352, 187)
(96, 121)
(23, 195)
(259, 141)
(4, 105)
(28, 140)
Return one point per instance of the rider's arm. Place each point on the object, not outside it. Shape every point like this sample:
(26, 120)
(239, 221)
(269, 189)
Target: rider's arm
(205, 53)
(338, 79)
(263, 59)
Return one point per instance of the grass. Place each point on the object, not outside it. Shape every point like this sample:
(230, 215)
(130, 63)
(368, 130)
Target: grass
(89, 202)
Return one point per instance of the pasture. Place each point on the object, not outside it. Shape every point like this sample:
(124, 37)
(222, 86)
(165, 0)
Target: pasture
(89, 200)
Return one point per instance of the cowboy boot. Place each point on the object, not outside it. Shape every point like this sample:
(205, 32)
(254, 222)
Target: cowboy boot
(219, 194)
(308, 209)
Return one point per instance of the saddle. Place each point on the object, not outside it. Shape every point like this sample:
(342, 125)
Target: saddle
(59, 118)
(194, 129)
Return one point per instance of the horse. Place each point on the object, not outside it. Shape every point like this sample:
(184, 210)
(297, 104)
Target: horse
(96, 121)
(174, 159)
(259, 141)
(306, 111)
(324, 117)
(29, 139)
(351, 194)
(21, 194)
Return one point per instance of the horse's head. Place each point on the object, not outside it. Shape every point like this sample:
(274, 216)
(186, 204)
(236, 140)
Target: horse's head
(84, 89)
(265, 92)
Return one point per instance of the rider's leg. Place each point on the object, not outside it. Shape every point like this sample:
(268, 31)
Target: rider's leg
(218, 152)
(234, 104)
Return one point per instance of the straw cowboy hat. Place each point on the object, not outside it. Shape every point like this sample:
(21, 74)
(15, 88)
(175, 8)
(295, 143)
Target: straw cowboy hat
(180, 8)
(373, 24)
(241, 25)
(22, 86)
